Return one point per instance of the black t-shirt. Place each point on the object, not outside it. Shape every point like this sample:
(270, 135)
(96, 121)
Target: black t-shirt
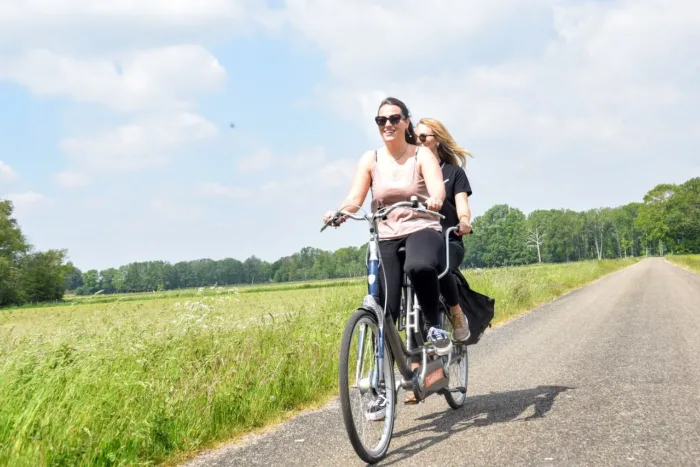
(456, 181)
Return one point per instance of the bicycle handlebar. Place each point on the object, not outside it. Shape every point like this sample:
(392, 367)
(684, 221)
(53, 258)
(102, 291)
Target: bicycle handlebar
(381, 213)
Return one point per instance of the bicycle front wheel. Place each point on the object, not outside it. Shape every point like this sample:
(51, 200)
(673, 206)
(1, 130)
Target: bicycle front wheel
(367, 402)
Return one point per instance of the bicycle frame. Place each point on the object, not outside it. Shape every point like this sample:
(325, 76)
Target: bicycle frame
(387, 330)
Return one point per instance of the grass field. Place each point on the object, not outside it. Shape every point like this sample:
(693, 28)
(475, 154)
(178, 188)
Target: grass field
(151, 379)
(691, 262)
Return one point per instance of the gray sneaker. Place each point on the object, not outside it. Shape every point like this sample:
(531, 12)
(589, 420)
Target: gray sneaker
(460, 327)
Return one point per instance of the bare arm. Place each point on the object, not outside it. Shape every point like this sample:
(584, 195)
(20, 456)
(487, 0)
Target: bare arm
(360, 183)
(462, 204)
(463, 213)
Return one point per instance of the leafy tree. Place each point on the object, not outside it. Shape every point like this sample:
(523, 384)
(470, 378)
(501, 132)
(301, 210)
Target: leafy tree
(652, 215)
(74, 278)
(27, 276)
(12, 241)
(91, 279)
(109, 280)
(500, 238)
(683, 217)
(42, 276)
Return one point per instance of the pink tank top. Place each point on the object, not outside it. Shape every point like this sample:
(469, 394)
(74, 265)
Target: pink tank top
(388, 189)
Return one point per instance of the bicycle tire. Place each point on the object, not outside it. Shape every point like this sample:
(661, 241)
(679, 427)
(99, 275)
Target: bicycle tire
(369, 456)
(457, 400)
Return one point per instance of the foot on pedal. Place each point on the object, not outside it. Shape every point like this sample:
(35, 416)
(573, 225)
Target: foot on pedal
(440, 339)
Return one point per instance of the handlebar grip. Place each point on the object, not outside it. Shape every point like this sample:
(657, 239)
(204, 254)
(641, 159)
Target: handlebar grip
(331, 221)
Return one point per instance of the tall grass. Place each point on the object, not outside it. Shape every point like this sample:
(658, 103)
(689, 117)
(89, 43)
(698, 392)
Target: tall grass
(691, 262)
(146, 382)
(518, 289)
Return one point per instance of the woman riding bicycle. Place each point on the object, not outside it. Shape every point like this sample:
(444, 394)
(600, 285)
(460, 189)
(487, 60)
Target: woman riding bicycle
(395, 172)
(433, 135)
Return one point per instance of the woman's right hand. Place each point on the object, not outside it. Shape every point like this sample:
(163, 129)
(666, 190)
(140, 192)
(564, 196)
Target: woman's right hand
(329, 215)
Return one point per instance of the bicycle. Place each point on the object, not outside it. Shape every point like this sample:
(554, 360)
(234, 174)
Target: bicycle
(437, 356)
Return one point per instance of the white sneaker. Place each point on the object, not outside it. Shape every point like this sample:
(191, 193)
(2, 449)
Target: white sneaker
(440, 340)
(377, 409)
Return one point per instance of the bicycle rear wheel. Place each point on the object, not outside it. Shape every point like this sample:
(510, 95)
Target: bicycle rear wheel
(457, 371)
(369, 433)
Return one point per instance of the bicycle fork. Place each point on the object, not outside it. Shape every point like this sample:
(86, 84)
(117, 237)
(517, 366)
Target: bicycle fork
(373, 270)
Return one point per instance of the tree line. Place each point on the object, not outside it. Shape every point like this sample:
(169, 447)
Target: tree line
(26, 275)
(308, 264)
(667, 220)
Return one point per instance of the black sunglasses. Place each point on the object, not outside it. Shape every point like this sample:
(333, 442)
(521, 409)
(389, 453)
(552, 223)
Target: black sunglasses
(422, 137)
(394, 119)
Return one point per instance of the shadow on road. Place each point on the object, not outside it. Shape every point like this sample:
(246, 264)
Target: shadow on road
(479, 411)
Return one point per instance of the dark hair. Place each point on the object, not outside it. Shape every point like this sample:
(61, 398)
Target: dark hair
(410, 132)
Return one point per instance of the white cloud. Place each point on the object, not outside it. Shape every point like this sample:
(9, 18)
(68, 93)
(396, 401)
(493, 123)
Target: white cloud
(214, 189)
(95, 204)
(6, 172)
(569, 103)
(28, 201)
(538, 91)
(603, 78)
(257, 162)
(155, 10)
(307, 174)
(172, 211)
(400, 40)
(263, 159)
(70, 179)
(156, 86)
(308, 158)
(147, 143)
(160, 78)
(111, 23)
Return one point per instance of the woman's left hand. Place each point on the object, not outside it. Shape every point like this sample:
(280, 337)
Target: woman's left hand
(464, 227)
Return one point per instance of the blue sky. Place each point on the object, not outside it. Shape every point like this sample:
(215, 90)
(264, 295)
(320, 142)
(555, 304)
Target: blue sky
(115, 140)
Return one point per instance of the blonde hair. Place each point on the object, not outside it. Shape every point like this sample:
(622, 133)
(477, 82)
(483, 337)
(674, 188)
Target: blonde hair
(448, 149)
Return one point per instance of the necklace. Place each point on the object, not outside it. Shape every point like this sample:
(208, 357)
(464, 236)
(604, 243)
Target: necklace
(396, 168)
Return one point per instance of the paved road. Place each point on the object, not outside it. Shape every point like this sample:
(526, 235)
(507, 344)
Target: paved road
(607, 375)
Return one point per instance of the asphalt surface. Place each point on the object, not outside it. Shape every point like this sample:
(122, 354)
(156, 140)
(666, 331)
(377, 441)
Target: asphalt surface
(606, 375)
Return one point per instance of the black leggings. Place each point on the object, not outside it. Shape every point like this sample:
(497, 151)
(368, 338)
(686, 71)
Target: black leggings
(423, 261)
(448, 284)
